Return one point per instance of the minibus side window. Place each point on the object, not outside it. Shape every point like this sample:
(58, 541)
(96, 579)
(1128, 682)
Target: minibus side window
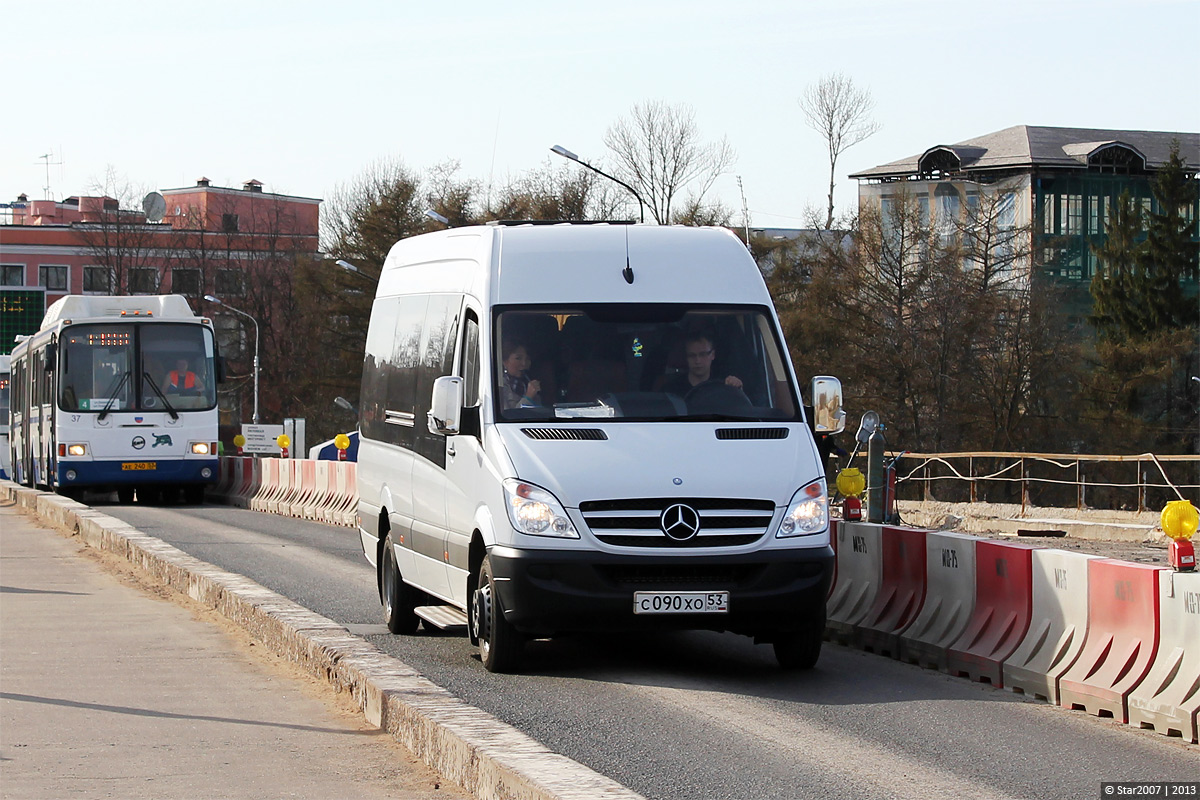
(470, 360)
(440, 332)
(402, 382)
(377, 366)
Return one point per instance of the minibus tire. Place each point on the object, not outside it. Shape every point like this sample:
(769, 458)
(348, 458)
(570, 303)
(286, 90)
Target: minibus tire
(399, 599)
(799, 650)
(500, 644)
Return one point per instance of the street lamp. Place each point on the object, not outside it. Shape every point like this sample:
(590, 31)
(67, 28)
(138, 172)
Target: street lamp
(559, 150)
(353, 270)
(212, 299)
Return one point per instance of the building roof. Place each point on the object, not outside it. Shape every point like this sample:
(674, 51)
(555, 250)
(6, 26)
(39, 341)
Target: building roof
(1027, 146)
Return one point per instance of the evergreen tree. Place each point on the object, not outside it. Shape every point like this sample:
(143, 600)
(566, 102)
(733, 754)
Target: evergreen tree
(1170, 250)
(1118, 297)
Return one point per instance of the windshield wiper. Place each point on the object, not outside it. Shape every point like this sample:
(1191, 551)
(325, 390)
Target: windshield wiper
(113, 395)
(161, 396)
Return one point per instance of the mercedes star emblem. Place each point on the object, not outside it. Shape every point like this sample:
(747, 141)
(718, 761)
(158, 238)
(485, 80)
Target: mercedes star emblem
(680, 522)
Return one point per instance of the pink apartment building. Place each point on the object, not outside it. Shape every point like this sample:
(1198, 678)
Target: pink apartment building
(192, 241)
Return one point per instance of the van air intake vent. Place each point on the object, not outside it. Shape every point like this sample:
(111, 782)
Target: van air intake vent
(572, 434)
(752, 433)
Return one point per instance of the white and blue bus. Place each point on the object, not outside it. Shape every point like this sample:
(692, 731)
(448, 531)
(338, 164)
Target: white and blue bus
(117, 393)
(5, 469)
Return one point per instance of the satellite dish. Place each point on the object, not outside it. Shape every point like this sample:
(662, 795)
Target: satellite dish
(155, 206)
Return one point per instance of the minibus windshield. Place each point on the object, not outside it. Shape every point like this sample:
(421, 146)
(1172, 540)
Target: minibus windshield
(643, 362)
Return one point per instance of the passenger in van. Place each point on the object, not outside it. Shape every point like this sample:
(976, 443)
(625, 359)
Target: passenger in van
(700, 353)
(517, 389)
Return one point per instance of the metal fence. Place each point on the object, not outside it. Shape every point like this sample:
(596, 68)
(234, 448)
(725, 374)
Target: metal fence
(1136, 482)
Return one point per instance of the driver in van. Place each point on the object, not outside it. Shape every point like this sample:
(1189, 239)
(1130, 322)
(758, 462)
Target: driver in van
(182, 379)
(517, 389)
(700, 355)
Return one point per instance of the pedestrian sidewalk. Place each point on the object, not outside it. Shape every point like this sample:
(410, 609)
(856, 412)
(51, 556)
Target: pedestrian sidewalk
(109, 691)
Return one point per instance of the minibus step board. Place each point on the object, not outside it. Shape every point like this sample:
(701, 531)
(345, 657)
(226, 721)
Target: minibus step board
(443, 617)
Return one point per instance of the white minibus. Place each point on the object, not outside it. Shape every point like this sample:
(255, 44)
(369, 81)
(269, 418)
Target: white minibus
(571, 428)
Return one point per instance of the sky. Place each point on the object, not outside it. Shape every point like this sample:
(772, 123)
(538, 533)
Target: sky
(305, 96)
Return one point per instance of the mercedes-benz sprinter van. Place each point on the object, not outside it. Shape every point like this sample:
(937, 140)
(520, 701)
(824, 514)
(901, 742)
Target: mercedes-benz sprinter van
(589, 427)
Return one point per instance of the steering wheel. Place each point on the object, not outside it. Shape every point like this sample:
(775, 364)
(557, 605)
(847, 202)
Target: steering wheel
(716, 396)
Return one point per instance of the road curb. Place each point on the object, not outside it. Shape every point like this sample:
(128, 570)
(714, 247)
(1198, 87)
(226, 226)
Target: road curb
(488, 758)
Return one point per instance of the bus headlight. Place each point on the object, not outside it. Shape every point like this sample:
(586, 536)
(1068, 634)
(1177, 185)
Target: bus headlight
(77, 449)
(808, 513)
(535, 511)
(201, 448)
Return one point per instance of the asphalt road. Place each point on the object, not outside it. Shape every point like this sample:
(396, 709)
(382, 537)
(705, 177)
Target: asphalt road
(703, 715)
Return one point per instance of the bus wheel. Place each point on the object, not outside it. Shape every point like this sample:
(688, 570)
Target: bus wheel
(125, 495)
(193, 495)
(500, 644)
(399, 599)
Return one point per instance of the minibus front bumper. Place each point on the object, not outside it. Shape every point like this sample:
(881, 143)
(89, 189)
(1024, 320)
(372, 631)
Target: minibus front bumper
(547, 592)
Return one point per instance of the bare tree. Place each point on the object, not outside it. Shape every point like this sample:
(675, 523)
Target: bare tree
(120, 241)
(658, 151)
(841, 112)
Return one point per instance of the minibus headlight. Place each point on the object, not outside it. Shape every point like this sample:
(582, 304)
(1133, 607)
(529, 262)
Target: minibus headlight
(200, 448)
(77, 449)
(533, 510)
(808, 513)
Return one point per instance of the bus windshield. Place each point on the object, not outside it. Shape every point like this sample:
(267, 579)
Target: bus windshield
(667, 362)
(137, 367)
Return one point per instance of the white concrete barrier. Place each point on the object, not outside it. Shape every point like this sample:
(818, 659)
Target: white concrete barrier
(1057, 625)
(1168, 698)
(859, 569)
(949, 600)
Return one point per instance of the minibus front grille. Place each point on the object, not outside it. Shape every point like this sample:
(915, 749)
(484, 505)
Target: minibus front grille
(752, 433)
(639, 522)
(711, 575)
(565, 434)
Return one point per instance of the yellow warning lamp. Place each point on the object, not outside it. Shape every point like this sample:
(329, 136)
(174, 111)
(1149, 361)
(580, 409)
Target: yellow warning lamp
(283, 440)
(341, 441)
(239, 441)
(850, 482)
(1179, 521)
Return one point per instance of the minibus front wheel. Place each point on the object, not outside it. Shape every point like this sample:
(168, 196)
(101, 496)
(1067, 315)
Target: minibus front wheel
(500, 644)
(399, 599)
(799, 650)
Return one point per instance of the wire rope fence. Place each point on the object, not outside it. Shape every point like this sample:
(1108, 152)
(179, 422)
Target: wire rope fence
(1125, 482)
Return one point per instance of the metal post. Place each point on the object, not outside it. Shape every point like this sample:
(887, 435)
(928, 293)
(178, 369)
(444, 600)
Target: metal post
(971, 473)
(1024, 488)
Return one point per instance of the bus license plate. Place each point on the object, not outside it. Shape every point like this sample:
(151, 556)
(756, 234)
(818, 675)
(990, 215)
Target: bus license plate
(139, 465)
(680, 602)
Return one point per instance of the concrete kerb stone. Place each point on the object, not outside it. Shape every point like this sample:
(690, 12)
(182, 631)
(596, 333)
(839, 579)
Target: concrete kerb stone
(490, 759)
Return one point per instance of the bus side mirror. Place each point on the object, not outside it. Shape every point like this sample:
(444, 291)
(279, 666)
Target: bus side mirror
(445, 408)
(219, 368)
(51, 359)
(828, 416)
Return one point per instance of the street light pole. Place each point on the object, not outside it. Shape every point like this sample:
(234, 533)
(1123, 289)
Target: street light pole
(559, 150)
(212, 299)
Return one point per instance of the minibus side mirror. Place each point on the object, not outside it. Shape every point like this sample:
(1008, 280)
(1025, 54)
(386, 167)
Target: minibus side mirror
(445, 409)
(828, 416)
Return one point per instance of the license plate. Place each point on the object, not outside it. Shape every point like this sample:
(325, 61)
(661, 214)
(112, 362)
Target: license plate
(139, 465)
(680, 602)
